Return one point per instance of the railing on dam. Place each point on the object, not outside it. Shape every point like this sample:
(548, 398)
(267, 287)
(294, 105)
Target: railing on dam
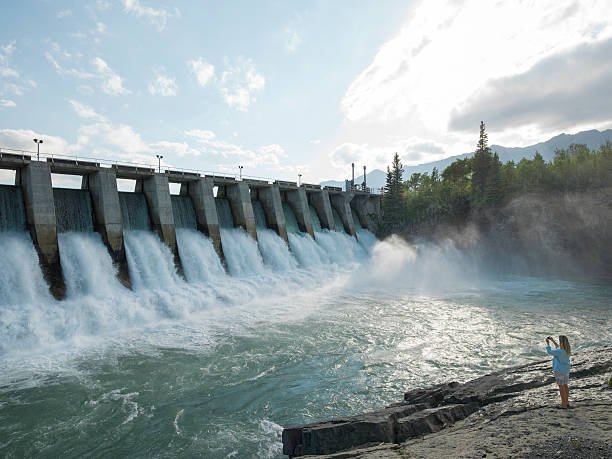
(149, 167)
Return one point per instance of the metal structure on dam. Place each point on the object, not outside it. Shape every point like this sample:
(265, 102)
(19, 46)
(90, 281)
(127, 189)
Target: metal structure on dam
(101, 207)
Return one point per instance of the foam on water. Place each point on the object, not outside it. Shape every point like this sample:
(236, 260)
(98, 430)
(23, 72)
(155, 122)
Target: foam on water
(366, 238)
(82, 276)
(340, 247)
(215, 365)
(150, 262)
(307, 251)
(275, 251)
(241, 252)
(21, 280)
(198, 256)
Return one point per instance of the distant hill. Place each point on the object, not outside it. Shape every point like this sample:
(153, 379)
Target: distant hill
(592, 139)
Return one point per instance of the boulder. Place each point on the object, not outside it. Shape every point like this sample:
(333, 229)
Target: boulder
(429, 410)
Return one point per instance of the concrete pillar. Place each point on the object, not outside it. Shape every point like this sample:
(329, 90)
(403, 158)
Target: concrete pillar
(157, 191)
(358, 205)
(203, 199)
(272, 204)
(242, 209)
(342, 203)
(320, 201)
(35, 182)
(102, 187)
(298, 201)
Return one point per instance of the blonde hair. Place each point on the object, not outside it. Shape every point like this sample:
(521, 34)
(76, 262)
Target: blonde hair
(565, 345)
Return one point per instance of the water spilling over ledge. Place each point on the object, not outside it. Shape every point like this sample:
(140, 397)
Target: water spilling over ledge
(257, 329)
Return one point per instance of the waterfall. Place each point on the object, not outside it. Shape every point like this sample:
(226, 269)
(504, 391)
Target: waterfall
(150, 262)
(307, 251)
(83, 275)
(241, 252)
(73, 210)
(224, 210)
(12, 210)
(366, 238)
(316, 222)
(290, 220)
(340, 247)
(21, 280)
(338, 221)
(198, 256)
(184, 213)
(275, 251)
(135, 211)
(260, 215)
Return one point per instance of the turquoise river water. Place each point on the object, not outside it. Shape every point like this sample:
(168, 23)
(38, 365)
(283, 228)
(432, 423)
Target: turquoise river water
(215, 364)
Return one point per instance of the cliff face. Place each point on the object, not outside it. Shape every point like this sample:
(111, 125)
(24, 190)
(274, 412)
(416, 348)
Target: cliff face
(568, 235)
(517, 407)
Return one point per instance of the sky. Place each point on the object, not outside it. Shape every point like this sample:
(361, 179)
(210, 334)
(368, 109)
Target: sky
(285, 88)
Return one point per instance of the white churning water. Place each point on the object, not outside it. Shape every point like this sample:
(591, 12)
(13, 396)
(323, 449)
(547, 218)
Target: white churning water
(212, 364)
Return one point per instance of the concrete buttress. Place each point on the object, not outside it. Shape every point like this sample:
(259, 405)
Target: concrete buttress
(298, 201)
(320, 201)
(157, 192)
(102, 187)
(203, 199)
(342, 203)
(242, 209)
(272, 204)
(35, 182)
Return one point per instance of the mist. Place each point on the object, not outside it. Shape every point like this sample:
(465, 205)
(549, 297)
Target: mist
(568, 235)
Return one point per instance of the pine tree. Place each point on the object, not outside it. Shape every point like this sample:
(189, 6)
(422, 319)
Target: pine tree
(481, 162)
(394, 206)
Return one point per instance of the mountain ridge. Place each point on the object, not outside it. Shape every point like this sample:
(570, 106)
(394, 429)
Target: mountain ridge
(592, 138)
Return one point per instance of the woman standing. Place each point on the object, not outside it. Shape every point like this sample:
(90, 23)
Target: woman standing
(561, 365)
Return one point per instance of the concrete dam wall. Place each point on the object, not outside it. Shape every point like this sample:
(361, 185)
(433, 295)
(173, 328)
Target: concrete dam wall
(206, 203)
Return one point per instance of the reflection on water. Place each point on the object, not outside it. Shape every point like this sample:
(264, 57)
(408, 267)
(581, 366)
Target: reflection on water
(214, 368)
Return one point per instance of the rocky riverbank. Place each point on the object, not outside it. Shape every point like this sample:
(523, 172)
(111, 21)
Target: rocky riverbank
(510, 413)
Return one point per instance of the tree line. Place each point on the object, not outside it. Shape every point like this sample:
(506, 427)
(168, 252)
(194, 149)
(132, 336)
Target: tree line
(483, 181)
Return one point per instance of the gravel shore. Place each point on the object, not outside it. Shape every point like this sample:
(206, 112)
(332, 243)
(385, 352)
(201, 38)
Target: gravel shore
(519, 417)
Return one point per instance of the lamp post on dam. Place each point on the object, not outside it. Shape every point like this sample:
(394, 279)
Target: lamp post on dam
(38, 142)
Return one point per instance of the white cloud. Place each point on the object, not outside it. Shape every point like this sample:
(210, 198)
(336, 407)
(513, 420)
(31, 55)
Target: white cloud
(85, 90)
(64, 13)
(83, 110)
(112, 83)
(6, 52)
(100, 27)
(6, 103)
(203, 70)
(266, 155)
(292, 40)
(21, 139)
(163, 85)
(412, 151)
(66, 63)
(239, 83)
(158, 17)
(177, 148)
(448, 51)
(573, 97)
(201, 135)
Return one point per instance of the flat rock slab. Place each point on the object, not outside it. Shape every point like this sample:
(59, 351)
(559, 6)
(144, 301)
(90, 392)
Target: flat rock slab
(504, 414)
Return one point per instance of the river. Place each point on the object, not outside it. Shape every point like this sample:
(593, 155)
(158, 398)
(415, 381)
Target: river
(214, 364)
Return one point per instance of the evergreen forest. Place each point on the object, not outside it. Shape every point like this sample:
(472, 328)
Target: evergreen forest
(482, 182)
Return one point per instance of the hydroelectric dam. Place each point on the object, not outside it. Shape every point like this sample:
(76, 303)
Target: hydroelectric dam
(223, 208)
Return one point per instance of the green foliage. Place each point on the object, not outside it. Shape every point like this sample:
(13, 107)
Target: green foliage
(483, 181)
(394, 203)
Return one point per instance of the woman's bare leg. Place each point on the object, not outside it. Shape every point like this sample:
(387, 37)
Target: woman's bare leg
(564, 392)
